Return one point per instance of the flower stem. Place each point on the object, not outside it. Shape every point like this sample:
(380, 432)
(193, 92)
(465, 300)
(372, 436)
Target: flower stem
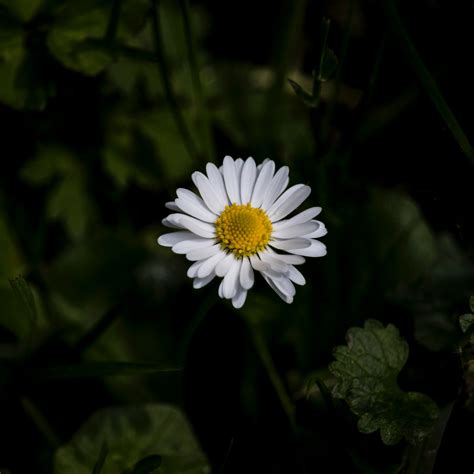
(267, 362)
(206, 127)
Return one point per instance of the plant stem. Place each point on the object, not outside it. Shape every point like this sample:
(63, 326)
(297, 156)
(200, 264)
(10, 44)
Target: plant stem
(40, 422)
(426, 79)
(267, 362)
(206, 127)
(173, 103)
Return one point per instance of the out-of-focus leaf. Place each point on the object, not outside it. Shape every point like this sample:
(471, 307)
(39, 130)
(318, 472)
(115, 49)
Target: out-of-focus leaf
(100, 369)
(329, 65)
(68, 200)
(78, 21)
(101, 460)
(21, 83)
(24, 294)
(304, 96)
(24, 10)
(11, 261)
(133, 433)
(147, 465)
(366, 371)
(465, 321)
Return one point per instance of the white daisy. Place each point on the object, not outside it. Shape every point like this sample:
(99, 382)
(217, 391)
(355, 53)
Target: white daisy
(238, 225)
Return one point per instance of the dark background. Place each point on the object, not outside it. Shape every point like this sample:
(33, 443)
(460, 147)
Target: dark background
(90, 156)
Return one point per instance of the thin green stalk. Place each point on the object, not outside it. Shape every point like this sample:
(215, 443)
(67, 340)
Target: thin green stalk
(267, 362)
(206, 127)
(288, 35)
(170, 96)
(426, 79)
(40, 422)
(112, 26)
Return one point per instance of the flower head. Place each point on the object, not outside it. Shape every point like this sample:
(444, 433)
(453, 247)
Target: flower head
(239, 225)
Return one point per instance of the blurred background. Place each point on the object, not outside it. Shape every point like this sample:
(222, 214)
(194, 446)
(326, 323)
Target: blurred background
(108, 106)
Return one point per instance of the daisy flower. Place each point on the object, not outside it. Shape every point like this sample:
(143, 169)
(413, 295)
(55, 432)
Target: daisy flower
(239, 225)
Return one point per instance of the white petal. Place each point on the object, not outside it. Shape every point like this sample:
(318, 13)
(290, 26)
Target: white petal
(246, 274)
(193, 269)
(274, 262)
(297, 230)
(258, 265)
(210, 196)
(263, 181)
(284, 297)
(319, 232)
(224, 265)
(231, 181)
(166, 222)
(316, 249)
(300, 218)
(220, 291)
(193, 205)
(288, 202)
(186, 246)
(204, 229)
(203, 253)
(207, 266)
(231, 280)
(168, 240)
(282, 282)
(239, 299)
(217, 182)
(171, 205)
(247, 180)
(201, 282)
(289, 259)
(290, 244)
(277, 186)
(296, 276)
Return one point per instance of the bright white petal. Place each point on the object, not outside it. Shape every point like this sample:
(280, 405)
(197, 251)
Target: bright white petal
(167, 223)
(239, 299)
(172, 206)
(224, 265)
(217, 182)
(193, 269)
(168, 240)
(220, 291)
(231, 181)
(258, 265)
(186, 246)
(288, 202)
(231, 280)
(277, 186)
(203, 253)
(211, 197)
(247, 180)
(274, 262)
(316, 249)
(247, 277)
(204, 229)
(201, 282)
(296, 230)
(319, 232)
(300, 218)
(263, 181)
(193, 205)
(207, 266)
(282, 282)
(284, 297)
(296, 276)
(290, 244)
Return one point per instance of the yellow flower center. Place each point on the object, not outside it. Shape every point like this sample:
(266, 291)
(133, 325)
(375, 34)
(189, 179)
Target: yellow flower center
(243, 229)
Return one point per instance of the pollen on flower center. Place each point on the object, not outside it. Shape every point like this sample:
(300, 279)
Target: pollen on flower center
(243, 229)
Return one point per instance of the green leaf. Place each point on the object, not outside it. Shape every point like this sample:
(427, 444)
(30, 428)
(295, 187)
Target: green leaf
(68, 200)
(366, 371)
(133, 433)
(328, 66)
(304, 96)
(79, 21)
(101, 460)
(24, 10)
(22, 83)
(146, 465)
(100, 369)
(24, 294)
(465, 321)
